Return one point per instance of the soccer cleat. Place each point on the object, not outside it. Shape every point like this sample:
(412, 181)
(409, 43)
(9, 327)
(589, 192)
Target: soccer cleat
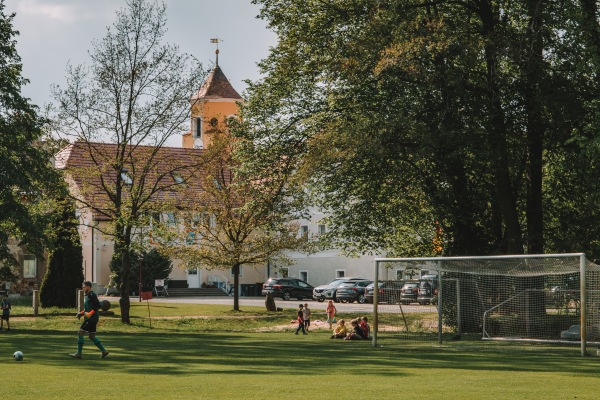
(75, 355)
(104, 354)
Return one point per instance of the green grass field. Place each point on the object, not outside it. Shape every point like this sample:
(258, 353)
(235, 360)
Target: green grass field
(211, 352)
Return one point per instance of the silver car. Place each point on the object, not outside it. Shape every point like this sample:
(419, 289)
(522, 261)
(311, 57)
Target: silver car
(328, 291)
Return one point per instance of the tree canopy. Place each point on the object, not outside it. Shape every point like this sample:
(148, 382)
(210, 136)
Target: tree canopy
(26, 175)
(481, 115)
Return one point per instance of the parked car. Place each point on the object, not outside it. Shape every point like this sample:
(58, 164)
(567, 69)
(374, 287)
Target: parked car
(409, 292)
(428, 289)
(287, 288)
(328, 291)
(388, 292)
(352, 291)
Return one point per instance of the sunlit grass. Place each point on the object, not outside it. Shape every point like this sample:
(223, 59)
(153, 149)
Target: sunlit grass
(211, 352)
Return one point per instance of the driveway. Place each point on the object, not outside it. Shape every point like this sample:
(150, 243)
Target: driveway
(260, 302)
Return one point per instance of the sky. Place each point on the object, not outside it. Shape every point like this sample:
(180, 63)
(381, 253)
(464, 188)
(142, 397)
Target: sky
(54, 33)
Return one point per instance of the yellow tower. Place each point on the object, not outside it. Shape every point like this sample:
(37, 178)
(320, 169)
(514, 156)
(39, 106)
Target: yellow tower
(215, 101)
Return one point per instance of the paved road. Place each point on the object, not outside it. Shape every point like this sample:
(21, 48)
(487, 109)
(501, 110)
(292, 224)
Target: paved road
(260, 302)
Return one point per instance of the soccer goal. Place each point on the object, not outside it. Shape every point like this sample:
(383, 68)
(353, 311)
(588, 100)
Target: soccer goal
(533, 298)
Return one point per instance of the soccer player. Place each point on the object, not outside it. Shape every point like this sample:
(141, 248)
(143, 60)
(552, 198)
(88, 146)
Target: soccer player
(91, 305)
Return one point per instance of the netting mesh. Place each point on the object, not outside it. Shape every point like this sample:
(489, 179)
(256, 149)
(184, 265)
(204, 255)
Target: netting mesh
(531, 299)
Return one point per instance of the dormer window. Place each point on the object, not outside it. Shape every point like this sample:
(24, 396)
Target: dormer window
(177, 178)
(125, 177)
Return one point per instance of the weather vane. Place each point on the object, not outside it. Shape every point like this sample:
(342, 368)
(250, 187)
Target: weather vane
(216, 41)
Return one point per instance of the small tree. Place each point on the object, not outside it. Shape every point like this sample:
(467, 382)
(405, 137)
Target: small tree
(243, 216)
(136, 96)
(64, 273)
(154, 265)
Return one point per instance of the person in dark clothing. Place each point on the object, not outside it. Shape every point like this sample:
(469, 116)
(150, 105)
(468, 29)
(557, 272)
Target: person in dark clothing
(300, 320)
(357, 333)
(91, 305)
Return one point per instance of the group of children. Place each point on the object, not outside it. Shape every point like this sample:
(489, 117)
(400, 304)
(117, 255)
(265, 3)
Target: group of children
(303, 319)
(360, 330)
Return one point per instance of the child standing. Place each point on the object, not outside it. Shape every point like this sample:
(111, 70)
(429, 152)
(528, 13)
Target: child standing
(5, 312)
(306, 312)
(300, 320)
(330, 310)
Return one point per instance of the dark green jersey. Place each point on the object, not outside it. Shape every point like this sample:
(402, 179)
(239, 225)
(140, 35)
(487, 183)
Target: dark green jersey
(91, 302)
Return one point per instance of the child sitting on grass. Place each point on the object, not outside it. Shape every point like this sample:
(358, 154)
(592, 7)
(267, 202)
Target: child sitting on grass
(357, 332)
(365, 327)
(340, 330)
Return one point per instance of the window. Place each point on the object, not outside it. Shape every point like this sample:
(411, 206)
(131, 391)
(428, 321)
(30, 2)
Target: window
(322, 229)
(304, 276)
(125, 177)
(340, 273)
(29, 266)
(283, 272)
(241, 271)
(198, 129)
(399, 274)
(177, 178)
(170, 218)
(304, 232)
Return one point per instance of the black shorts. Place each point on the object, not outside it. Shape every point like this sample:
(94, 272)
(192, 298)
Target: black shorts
(88, 326)
(5, 317)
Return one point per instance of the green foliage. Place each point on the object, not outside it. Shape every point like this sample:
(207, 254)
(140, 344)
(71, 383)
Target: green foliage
(154, 265)
(438, 112)
(64, 274)
(26, 176)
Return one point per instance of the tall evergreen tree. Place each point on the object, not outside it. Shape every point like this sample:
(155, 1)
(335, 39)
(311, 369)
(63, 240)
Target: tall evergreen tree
(64, 274)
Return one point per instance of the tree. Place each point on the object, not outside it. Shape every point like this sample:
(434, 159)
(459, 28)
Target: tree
(64, 274)
(26, 177)
(136, 96)
(243, 216)
(153, 266)
(458, 112)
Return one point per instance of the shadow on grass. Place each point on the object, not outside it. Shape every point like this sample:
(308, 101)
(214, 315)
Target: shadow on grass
(176, 353)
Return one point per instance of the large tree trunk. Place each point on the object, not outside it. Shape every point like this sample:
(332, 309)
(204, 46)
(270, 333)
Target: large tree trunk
(124, 236)
(497, 136)
(535, 128)
(236, 284)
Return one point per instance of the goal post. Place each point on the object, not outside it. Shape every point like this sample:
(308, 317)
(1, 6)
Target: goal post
(535, 297)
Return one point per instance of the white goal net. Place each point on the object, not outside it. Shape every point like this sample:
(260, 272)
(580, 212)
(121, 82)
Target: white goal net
(550, 297)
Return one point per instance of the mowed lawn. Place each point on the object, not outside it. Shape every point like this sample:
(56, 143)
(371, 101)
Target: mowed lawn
(210, 352)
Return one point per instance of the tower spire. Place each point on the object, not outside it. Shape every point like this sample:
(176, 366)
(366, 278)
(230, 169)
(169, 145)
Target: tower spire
(216, 41)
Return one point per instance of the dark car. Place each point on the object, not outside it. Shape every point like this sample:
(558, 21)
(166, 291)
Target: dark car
(389, 292)
(428, 288)
(352, 291)
(409, 292)
(287, 288)
(328, 291)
